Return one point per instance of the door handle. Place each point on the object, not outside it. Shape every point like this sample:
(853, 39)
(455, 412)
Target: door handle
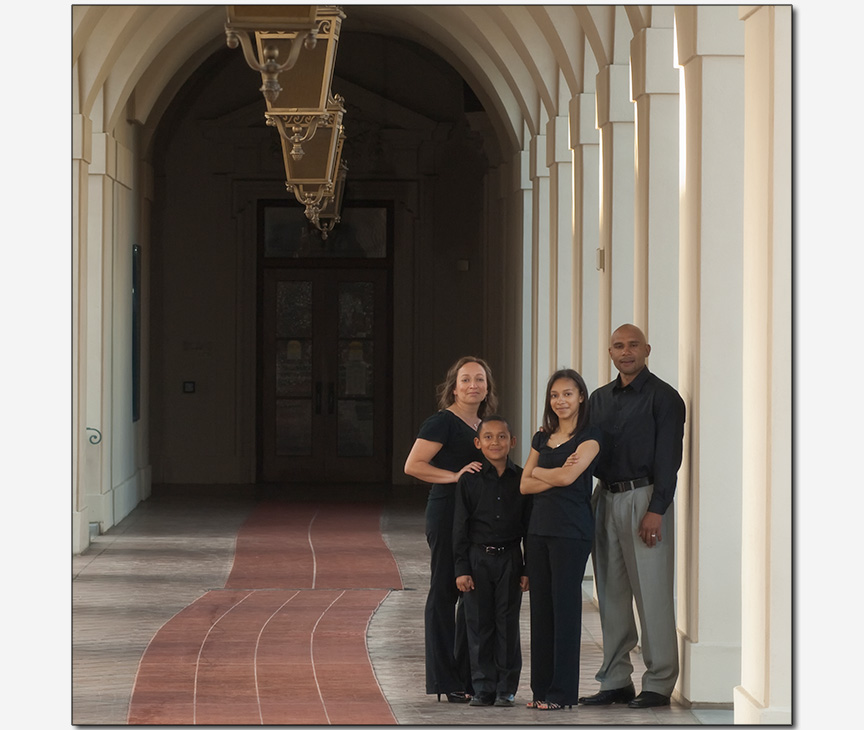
(331, 399)
(318, 398)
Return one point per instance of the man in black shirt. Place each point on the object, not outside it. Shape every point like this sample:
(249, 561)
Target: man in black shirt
(642, 420)
(491, 519)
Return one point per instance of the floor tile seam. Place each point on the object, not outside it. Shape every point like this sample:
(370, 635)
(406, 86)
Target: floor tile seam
(389, 589)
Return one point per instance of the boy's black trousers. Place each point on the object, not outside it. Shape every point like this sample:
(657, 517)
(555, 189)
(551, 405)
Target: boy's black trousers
(492, 620)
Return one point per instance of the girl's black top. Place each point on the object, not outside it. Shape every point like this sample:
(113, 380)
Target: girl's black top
(564, 511)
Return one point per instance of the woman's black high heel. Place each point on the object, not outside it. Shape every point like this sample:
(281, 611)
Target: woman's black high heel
(456, 697)
(552, 706)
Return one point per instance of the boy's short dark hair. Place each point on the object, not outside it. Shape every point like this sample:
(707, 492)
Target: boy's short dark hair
(494, 418)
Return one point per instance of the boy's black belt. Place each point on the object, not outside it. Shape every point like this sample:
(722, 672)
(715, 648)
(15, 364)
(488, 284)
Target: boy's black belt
(497, 549)
(628, 485)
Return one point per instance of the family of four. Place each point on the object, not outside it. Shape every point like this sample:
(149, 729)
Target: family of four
(496, 530)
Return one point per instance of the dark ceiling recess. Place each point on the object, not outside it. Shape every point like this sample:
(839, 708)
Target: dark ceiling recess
(472, 103)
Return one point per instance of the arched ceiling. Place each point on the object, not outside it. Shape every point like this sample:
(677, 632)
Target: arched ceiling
(522, 62)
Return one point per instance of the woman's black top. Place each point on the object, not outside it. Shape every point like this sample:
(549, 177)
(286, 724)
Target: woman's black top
(457, 444)
(564, 511)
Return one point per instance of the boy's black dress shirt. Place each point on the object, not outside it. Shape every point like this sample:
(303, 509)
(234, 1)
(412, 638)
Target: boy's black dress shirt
(490, 510)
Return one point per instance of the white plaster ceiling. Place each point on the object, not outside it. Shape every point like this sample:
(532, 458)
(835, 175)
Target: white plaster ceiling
(523, 62)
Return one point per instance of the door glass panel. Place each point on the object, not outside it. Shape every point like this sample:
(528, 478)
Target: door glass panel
(294, 309)
(360, 233)
(356, 369)
(355, 424)
(356, 309)
(294, 427)
(293, 368)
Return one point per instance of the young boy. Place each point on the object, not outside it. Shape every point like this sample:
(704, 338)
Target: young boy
(489, 527)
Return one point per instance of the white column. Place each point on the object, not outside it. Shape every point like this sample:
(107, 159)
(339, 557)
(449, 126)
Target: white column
(124, 476)
(524, 194)
(502, 258)
(144, 177)
(585, 142)
(508, 228)
(542, 283)
(615, 122)
(655, 93)
(710, 45)
(765, 693)
(494, 263)
(564, 284)
(98, 413)
(81, 158)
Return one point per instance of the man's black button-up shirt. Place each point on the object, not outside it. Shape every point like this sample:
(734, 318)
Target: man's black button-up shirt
(490, 510)
(643, 431)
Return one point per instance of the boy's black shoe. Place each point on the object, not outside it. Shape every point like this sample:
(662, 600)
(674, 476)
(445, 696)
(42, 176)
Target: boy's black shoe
(505, 701)
(482, 700)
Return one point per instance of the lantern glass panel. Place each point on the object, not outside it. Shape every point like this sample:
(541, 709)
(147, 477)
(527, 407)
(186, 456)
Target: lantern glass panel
(288, 16)
(319, 159)
(306, 86)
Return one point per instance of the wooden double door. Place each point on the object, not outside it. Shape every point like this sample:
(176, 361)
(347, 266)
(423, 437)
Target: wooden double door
(324, 381)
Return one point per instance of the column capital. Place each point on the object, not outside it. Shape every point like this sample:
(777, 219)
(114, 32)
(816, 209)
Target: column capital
(583, 120)
(558, 141)
(613, 95)
(104, 159)
(726, 36)
(522, 170)
(538, 157)
(652, 62)
(82, 138)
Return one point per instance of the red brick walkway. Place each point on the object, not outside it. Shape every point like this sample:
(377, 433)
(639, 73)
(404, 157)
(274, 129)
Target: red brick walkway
(284, 643)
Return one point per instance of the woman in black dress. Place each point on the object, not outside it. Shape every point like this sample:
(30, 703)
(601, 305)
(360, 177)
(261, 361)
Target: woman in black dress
(443, 451)
(559, 540)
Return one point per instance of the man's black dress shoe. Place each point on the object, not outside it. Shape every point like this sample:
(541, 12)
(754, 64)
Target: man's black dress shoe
(610, 696)
(648, 699)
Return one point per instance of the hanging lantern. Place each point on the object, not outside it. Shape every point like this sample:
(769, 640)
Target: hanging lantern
(330, 212)
(298, 23)
(305, 85)
(311, 173)
(297, 91)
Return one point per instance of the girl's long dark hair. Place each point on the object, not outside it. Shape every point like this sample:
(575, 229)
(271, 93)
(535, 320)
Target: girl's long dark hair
(550, 418)
(445, 390)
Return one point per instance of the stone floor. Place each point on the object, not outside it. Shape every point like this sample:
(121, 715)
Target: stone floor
(179, 544)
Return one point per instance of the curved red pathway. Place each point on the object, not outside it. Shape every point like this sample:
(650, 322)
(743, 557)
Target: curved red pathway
(284, 643)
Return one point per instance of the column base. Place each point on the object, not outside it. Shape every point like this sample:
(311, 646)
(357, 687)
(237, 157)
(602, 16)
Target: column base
(708, 672)
(750, 712)
(80, 532)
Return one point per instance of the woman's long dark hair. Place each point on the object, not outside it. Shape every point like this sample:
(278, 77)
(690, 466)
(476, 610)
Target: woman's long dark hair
(445, 390)
(550, 418)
